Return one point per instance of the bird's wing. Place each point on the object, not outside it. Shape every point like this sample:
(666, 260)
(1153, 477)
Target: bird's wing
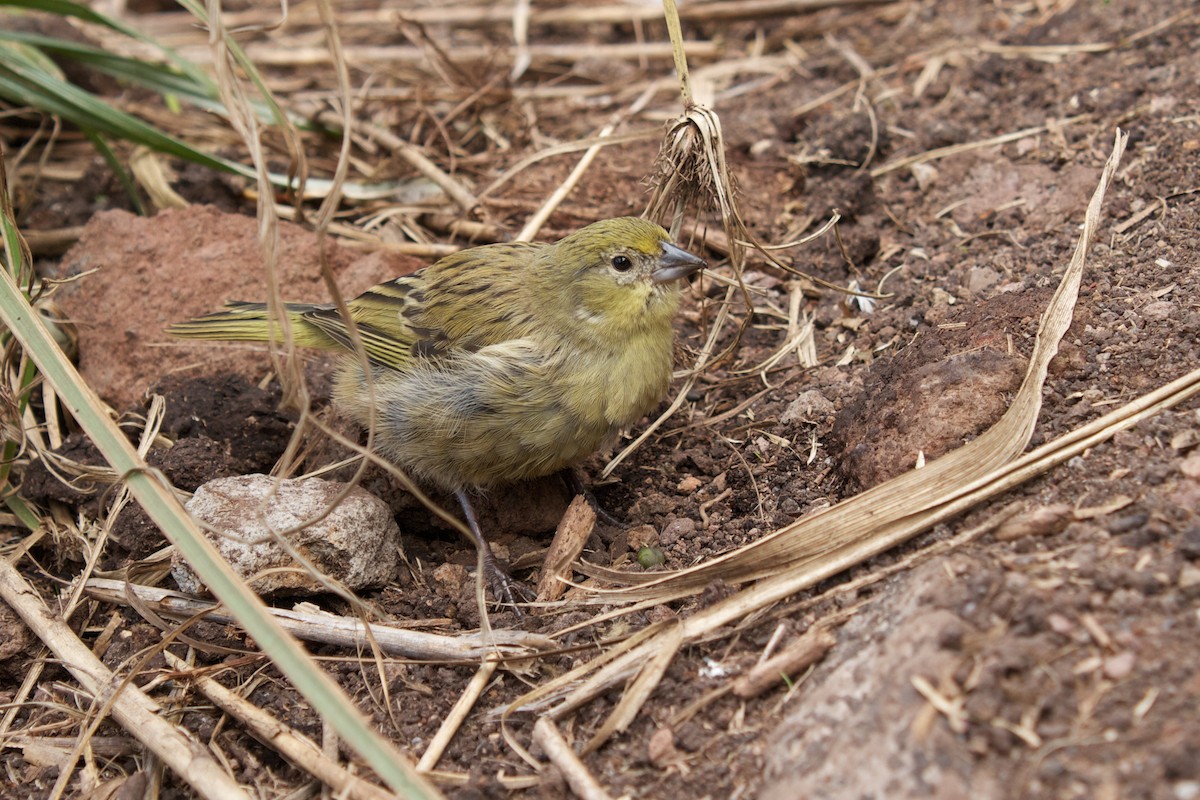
(461, 303)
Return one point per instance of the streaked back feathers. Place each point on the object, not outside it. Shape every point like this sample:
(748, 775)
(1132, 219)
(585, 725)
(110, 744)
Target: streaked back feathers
(482, 296)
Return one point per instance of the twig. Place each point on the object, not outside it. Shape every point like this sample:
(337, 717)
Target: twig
(413, 155)
(136, 712)
(342, 631)
(366, 55)
(539, 218)
(301, 751)
(581, 781)
(955, 149)
(805, 651)
(454, 719)
(52, 242)
(475, 16)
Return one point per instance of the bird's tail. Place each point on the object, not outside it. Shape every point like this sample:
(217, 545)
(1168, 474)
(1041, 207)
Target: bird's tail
(250, 322)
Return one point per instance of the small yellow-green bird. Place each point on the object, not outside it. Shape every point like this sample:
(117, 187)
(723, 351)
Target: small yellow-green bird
(502, 362)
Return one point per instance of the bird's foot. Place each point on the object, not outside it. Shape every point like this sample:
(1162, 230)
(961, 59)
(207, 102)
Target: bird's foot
(505, 590)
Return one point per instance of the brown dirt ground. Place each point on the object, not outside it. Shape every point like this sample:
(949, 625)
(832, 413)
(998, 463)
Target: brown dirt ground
(1071, 650)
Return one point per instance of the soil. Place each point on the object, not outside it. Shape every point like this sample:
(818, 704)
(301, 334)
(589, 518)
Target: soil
(1065, 646)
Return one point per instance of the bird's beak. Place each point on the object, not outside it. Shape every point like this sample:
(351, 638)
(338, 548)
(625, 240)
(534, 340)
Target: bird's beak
(675, 263)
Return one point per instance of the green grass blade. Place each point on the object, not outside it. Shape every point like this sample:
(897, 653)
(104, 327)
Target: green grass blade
(161, 78)
(65, 8)
(22, 511)
(28, 85)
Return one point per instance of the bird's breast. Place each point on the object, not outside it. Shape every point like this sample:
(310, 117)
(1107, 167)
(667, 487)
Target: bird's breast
(618, 382)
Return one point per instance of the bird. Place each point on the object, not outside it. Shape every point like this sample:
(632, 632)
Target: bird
(501, 362)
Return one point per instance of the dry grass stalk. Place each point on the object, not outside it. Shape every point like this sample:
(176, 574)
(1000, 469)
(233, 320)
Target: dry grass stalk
(454, 720)
(366, 56)
(799, 655)
(494, 14)
(964, 147)
(151, 175)
(135, 712)
(657, 654)
(511, 782)
(53, 242)
(535, 222)
(297, 748)
(581, 781)
(601, 140)
(461, 196)
(348, 632)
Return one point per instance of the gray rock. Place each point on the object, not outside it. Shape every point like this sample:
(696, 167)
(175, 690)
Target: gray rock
(356, 543)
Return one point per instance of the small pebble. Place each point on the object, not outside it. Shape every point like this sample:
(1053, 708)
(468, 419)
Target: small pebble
(1189, 576)
(642, 536)
(677, 529)
(1118, 666)
(1190, 466)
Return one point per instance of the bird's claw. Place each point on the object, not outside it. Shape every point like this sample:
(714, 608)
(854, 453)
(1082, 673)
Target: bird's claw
(505, 590)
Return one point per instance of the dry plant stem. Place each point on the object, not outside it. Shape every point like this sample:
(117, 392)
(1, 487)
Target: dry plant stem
(53, 242)
(323, 218)
(851, 587)
(536, 222)
(656, 655)
(298, 749)
(357, 238)
(245, 123)
(557, 150)
(349, 632)
(368, 56)
(798, 656)
(520, 24)
(955, 149)
(95, 549)
(581, 781)
(290, 371)
(470, 16)
(136, 712)
(671, 15)
(573, 531)
(511, 782)
(413, 155)
(454, 720)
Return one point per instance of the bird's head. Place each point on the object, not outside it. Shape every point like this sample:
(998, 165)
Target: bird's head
(622, 274)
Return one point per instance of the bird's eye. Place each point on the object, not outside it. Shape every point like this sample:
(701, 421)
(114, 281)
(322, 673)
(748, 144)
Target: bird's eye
(622, 263)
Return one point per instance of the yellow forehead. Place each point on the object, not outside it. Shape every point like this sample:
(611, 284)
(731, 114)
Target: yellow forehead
(623, 232)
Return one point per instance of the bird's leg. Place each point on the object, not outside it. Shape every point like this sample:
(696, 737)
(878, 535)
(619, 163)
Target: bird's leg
(502, 585)
(575, 485)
